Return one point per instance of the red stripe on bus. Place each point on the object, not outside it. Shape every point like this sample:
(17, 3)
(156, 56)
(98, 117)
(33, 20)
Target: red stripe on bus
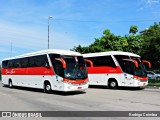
(28, 71)
(104, 70)
(75, 81)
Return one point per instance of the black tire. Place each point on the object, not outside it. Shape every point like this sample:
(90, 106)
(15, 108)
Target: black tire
(112, 84)
(47, 88)
(10, 84)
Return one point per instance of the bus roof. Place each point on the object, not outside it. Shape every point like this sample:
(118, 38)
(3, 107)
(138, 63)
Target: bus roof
(54, 51)
(110, 53)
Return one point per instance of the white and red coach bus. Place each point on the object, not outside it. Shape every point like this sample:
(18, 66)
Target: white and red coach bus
(59, 70)
(116, 68)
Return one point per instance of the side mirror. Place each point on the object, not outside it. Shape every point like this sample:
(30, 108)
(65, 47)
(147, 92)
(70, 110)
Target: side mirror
(147, 62)
(89, 61)
(134, 61)
(62, 61)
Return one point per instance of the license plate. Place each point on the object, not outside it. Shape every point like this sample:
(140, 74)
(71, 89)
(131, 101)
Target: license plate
(79, 87)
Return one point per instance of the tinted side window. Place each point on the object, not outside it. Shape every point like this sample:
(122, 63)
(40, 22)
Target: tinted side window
(23, 62)
(128, 67)
(120, 59)
(4, 64)
(53, 56)
(102, 61)
(35, 61)
(58, 68)
(57, 65)
(38, 61)
(16, 63)
(10, 64)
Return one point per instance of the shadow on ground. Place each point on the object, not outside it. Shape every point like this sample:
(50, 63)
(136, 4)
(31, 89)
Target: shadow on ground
(119, 88)
(42, 91)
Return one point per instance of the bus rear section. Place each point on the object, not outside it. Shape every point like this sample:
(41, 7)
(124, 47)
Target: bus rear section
(115, 69)
(58, 70)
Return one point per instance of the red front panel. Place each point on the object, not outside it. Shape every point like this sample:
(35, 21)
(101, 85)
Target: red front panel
(104, 70)
(76, 81)
(141, 78)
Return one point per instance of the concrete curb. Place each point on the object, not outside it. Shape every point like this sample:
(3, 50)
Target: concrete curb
(153, 87)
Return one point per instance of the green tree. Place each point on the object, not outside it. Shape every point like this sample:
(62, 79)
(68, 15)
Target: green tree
(111, 42)
(134, 41)
(133, 29)
(151, 45)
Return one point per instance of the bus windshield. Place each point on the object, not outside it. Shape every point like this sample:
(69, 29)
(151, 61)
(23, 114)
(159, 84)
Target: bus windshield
(75, 67)
(140, 70)
(129, 66)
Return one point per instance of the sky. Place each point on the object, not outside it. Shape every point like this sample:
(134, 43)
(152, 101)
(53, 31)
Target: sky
(24, 23)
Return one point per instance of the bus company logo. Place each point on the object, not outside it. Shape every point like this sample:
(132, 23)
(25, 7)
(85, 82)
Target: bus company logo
(10, 71)
(46, 72)
(6, 114)
(112, 71)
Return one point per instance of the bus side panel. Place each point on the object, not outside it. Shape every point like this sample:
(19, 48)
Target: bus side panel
(122, 80)
(35, 77)
(97, 79)
(102, 79)
(101, 75)
(28, 77)
(5, 77)
(104, 70)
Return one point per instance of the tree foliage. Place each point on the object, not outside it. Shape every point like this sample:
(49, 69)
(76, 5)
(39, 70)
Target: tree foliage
(146, 44)
(133, 29)
(151, 44)
(110, 42)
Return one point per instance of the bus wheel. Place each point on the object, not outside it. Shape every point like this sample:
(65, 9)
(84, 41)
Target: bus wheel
(112, 84)
(10, 84)
(47, 88)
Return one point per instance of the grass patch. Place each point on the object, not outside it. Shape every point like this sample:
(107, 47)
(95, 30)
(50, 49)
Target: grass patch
(154, 84)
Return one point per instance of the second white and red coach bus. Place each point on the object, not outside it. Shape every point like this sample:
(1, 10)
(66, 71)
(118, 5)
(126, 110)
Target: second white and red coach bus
(116, 68)
(59, 70)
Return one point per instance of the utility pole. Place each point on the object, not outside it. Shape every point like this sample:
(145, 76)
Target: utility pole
(48, 29)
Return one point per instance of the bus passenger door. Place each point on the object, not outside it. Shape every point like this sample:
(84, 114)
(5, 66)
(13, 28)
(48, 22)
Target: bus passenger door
(128, 69)
(58, 83)
(59, 74)
(128, 80)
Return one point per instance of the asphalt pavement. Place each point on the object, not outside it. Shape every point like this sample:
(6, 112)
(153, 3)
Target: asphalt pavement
(93, 99)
